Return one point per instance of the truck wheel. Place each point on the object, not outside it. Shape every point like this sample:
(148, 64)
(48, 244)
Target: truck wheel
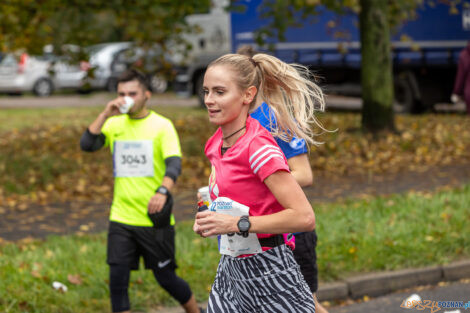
(198, 90)
(43, 87)
(404, 99)
(158, 83)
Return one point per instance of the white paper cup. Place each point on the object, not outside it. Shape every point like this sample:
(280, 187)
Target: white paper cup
(409, 301)
(129, 103)
(204, 192)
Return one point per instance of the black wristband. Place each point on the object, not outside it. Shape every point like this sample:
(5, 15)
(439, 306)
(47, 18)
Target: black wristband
(163, 190)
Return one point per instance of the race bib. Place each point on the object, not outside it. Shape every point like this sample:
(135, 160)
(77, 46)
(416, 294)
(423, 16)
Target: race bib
(133, 158)
(235, 244)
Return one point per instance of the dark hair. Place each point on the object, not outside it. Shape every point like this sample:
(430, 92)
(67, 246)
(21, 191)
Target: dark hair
(133, 74)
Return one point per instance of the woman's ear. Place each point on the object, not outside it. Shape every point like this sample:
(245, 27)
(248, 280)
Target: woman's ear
(250, 94)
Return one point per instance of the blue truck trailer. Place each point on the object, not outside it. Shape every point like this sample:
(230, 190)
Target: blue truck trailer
(425, 50)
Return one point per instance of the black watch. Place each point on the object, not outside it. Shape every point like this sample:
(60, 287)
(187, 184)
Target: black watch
(244, 225)
(163, 190)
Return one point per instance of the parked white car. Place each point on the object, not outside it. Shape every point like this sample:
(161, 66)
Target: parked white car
(147, 61)
(109, 60)
(101, 58)
(39, 75)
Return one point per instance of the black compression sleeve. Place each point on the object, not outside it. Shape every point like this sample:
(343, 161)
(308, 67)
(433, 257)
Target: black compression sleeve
(173, 167)
(118, 287)
(91, 142)
(174, 285)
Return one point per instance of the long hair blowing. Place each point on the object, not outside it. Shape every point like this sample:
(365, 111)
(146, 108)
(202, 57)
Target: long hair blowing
(289, 89)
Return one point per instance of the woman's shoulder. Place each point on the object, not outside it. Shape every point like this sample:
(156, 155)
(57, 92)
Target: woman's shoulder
(257, 132)
(213, 142)
(260, 139)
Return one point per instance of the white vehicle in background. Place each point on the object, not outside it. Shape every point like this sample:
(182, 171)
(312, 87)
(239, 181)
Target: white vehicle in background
(212, 41)
(40, 75)
(147, 60)
(109, 60)
(101, 58)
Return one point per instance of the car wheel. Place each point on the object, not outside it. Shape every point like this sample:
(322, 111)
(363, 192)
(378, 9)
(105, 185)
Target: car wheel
(111, 86)
(43, 87)
(158, 84)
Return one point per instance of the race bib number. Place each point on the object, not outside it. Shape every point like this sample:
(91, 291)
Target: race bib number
(133, 158)
(235, 244)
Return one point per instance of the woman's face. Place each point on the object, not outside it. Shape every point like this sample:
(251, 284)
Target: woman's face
(224, 100)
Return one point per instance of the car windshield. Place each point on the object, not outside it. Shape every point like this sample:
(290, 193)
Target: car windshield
(95, 48)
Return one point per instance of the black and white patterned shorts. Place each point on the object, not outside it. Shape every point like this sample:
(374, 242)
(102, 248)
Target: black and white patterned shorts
(265, 282)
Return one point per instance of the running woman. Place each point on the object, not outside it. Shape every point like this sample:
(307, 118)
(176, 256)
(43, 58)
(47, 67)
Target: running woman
(255, 198)
(147, 162)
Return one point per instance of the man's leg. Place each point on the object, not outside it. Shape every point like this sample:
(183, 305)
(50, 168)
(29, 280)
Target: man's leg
(122, 256)
(158, 249)
(177, 288)
(118, 285)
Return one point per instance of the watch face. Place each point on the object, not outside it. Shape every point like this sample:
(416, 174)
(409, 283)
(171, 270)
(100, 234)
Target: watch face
(244, 225)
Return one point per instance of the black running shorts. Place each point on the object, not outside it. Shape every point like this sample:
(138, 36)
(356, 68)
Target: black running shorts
(306, 257)
(127, 243)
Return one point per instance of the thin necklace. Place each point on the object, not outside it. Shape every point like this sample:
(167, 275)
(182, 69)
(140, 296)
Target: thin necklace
(227, 137)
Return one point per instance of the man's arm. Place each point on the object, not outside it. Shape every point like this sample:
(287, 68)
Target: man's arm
(90, 142)
(300, 168)
(173, 170)
(111, 109)
(92, 139)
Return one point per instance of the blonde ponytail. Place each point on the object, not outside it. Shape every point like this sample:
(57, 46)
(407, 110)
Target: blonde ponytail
(286, 88)
(292, 95)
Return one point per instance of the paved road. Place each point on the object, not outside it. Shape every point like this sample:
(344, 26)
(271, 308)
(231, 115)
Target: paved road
(333, 102)
(93, 99)
(459, 291)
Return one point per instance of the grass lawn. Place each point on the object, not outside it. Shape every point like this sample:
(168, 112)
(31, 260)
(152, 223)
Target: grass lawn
(80, 116)
(355, 236)
(40, 159)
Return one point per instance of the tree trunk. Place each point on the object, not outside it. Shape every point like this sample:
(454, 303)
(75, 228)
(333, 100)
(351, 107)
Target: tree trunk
(376, 67)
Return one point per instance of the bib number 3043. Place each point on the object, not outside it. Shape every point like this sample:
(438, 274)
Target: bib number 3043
(133, 158)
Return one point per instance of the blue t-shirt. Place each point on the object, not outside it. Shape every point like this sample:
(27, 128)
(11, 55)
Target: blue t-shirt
(290, 149)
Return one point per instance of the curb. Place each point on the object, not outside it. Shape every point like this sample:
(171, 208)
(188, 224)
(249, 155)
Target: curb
(378, 284)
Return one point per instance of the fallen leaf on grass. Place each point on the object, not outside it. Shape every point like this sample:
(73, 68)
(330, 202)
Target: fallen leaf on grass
(45, 164)
(75, 279)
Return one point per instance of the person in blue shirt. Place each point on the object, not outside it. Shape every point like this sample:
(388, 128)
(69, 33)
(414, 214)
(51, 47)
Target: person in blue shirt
(297, 159)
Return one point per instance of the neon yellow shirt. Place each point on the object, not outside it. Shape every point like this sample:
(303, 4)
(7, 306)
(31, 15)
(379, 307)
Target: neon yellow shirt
(139, 148)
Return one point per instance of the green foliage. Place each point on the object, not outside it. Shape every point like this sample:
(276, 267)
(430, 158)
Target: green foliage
(30, 24)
